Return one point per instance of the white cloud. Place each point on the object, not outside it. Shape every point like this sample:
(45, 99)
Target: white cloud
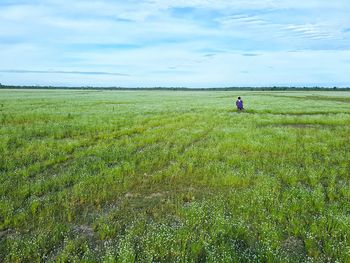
(201, 46)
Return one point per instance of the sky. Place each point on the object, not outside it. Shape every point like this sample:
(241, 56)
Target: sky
(167, 43)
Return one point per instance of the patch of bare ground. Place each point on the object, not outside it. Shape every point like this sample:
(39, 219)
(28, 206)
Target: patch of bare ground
(83, 230)
(5, 233)
(131, 195)
(155, 195)
(294, 246)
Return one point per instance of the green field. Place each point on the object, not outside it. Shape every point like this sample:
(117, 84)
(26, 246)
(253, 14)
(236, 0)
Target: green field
(174, 176)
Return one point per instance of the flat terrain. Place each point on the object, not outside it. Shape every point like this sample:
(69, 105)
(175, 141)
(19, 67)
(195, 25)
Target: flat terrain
(174, 176)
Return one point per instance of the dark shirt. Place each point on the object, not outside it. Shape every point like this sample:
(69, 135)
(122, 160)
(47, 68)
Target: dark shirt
(239, 104)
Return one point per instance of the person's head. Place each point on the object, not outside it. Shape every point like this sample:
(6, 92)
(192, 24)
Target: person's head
(239, 98)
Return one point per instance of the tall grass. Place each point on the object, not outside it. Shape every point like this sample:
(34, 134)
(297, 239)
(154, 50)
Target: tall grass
(174, 176)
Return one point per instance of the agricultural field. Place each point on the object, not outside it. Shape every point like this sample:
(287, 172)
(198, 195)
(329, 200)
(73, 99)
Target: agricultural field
(174, 176)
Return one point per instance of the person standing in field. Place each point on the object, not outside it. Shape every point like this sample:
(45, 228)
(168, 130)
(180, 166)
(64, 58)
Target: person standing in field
(239, 104)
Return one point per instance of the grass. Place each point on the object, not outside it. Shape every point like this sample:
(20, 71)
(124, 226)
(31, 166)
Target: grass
(174, 176)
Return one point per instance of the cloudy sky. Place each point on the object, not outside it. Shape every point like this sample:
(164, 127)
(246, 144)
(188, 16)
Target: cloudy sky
(198, 43)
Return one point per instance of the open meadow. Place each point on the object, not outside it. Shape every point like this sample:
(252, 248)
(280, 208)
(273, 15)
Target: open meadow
(174, 176)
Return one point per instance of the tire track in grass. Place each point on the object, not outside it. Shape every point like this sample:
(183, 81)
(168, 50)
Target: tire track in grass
(214, 143)
(146, 181)
(147, 194)
(51, 194)
(47, 196)
(144, 148)
(202, 137)
(91, 142)
(199, 138)
(110, 205)
(18, 175)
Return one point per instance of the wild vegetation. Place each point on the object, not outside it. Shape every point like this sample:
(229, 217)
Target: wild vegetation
(174, 176)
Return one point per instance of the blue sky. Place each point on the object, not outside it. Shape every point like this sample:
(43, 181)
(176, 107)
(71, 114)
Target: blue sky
(198, 43)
